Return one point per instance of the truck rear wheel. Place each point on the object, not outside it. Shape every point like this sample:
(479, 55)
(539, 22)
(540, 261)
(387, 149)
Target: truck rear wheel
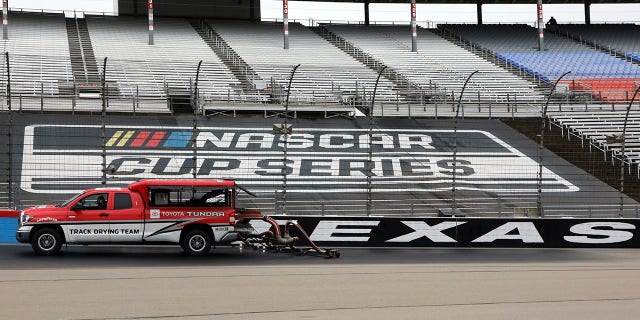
(46, 242)
(196, 243)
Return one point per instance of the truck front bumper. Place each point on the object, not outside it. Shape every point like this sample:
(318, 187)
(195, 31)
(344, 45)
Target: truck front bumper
(22, 234)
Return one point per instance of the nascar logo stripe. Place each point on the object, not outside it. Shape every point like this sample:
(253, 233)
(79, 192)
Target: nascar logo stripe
(178, 139)
(155, 139)
(126, 138)
(122, 138)
(140, 139)
(114, 138)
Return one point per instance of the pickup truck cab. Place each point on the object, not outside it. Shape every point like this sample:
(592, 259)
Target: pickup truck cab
(193, 213)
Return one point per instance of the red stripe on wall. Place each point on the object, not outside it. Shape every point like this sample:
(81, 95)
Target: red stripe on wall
(140, 139)
(155, 139)
(9, 213)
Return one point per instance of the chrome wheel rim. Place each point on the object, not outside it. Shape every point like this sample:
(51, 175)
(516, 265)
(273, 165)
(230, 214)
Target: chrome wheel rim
(47, 241)
(196, 243)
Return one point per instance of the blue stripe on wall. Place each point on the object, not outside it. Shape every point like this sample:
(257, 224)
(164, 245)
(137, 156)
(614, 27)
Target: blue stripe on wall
(8, 230)
(178, 139)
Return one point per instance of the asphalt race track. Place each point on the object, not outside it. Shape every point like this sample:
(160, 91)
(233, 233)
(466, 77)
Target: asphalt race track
(161, 283)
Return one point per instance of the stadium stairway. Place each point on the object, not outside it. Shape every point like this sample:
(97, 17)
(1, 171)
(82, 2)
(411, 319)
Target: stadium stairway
(240, 69)
(591, 160)
(83, 61)
(410, 90)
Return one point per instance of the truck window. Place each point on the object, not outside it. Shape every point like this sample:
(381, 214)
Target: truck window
(122, 201)
(94, 202)
(191, 197)
(159, 197)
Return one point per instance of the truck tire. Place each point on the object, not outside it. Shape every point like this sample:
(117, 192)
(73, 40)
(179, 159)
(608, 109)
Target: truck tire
(46, 242)
(196, 242)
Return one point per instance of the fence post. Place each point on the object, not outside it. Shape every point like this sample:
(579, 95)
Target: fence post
(137, 100)
(73, 98)
(103, 122)
(41, 97)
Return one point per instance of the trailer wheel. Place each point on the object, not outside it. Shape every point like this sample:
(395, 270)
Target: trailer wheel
(196, 243)
(46, 242)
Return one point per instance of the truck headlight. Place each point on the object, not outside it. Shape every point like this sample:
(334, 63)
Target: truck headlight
(24, 218)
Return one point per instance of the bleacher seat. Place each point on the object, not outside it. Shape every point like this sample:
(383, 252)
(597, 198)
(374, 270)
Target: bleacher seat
(618, 37)
(38, 55)
(326, 74)
(172, 61)
(437, 62)
(606, 76)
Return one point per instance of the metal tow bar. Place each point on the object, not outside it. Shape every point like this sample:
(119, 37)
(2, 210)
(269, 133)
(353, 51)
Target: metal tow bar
(277, 239)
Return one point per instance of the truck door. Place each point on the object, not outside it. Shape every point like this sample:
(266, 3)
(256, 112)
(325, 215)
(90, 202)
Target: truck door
(126, 219)
(89, 219)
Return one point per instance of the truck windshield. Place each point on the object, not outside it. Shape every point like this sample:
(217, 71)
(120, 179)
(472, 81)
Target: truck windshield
(66, 203)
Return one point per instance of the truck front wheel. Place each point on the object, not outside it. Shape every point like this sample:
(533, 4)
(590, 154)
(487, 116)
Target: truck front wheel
(196, 243)
(46, 242)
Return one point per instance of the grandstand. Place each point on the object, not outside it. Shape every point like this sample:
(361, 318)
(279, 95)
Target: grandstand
(162, 69)
(326, 74)
(603, 129)
(39, 55)
(617, 38)
(604, 76)
(56, 65)
(438, 63)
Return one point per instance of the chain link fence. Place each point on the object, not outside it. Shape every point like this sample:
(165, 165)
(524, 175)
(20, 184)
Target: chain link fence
(135, 124)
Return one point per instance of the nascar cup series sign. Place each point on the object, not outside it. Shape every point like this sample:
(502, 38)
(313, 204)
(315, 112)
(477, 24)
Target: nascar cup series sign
(68, 158)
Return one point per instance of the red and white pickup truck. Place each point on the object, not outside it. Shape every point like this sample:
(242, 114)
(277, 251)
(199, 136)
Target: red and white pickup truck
(194, 213)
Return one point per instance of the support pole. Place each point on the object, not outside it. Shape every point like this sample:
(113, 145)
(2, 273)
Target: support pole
(5, 19)
(479, 11)
(414, 31)
(286, 136)
(150, 3)
(366, 12)
(194, 141)
(587, 12)
(103, 121)
(540, 27)
(454, 202)
(541, 144)
(370, 148)
(622, 166)
(285, 21)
